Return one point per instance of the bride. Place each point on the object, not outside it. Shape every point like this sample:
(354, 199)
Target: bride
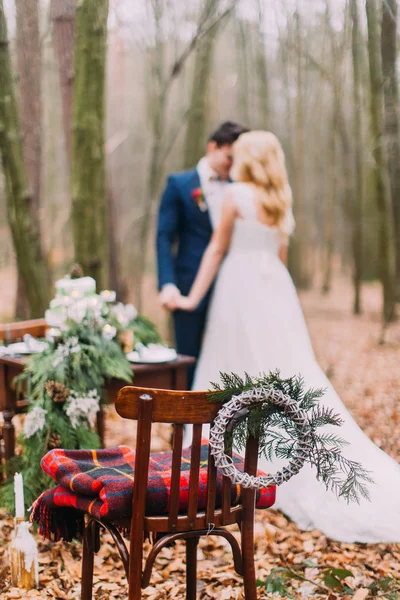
(255, 324)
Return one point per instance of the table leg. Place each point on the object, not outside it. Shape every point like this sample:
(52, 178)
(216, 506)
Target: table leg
(101, 424)
(7, 404)
(8, 434)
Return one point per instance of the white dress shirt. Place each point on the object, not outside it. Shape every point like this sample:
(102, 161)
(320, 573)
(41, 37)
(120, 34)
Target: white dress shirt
(213, 189)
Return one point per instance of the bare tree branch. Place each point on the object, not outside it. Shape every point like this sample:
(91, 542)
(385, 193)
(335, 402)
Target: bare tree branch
(202, 31)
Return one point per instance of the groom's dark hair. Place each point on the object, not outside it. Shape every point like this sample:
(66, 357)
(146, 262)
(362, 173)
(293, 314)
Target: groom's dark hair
(227, 133)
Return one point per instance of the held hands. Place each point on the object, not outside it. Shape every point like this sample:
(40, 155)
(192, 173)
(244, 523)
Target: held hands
(185, 303)
(168, 296)
(171, 299)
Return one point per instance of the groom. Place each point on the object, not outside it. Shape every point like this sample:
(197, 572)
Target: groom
(189, 211)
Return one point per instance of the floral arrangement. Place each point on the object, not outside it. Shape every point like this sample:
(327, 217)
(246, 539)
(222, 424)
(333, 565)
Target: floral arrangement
(64, 384)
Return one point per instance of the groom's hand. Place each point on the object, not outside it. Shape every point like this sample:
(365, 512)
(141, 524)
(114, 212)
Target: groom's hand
(169, 296)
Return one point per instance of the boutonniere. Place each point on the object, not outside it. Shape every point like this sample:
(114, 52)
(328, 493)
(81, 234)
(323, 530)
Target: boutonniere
(198, 197)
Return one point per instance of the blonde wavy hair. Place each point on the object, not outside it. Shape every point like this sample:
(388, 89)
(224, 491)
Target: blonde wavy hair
(258, 158)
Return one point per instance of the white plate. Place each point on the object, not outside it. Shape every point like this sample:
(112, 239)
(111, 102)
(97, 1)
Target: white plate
(22, 348)
(134, 357)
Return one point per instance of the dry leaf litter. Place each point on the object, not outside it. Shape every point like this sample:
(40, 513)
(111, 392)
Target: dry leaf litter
(366, 376)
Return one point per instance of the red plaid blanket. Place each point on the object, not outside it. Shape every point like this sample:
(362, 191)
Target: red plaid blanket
(100, 482)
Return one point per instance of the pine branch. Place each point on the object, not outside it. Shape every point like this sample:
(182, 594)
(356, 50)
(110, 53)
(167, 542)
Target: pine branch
(279, 436)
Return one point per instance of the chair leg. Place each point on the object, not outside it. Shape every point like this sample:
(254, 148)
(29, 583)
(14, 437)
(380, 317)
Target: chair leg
(249, 571)
(89, 548)
(191, 568)
(135, 568)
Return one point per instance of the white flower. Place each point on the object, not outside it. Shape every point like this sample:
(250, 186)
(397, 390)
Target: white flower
(71, 346)
(95, 308)
(109, 332)
(130, 312)
(125, 313)
(55, 317)
(80, 409)
(61, 353)
(77, 312)
(35, 421)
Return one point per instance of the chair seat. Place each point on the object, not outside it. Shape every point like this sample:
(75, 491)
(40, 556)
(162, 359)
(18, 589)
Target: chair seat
(101, 482)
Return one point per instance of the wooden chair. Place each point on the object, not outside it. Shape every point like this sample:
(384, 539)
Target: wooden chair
(13, 332)
(148, 406)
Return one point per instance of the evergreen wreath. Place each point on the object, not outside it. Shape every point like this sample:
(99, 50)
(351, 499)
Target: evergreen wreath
(283, 436)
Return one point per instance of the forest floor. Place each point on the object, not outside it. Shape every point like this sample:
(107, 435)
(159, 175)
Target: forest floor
(290, 563)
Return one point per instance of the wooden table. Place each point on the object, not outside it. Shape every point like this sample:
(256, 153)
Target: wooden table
(166, 376)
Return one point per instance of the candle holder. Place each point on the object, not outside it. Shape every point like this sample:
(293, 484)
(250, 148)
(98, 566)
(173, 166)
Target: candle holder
(108, 296)
(126, 339)
(23, 557)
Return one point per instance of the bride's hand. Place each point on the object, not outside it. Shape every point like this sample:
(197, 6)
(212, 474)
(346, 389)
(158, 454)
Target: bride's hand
(185, 303)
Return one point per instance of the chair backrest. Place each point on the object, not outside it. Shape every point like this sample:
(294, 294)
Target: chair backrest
(148, 406)
(13, 332)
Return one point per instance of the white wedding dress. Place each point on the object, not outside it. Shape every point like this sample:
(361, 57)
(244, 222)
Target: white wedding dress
(255, 324)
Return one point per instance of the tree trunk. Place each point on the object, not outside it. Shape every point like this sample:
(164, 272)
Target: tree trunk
(29, 76)
(358, 203)
(392, 107)
(340, 122)
(26, 237)
(89, 197)
(162, 82)
(329, 220)
(262, 72)
(382, 182)
(242, 65)
(115, 280)
(195, 140)
(116, 157)
(299, 253)
(63, 17)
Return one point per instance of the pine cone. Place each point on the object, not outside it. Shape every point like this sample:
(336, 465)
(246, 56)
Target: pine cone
(76, 271)
(54, 441)
(57, 391)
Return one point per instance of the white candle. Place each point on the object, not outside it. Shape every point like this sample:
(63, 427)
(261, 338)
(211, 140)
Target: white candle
(19, 496)
(108, 295)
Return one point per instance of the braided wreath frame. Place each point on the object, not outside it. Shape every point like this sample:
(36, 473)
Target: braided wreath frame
(240, 404)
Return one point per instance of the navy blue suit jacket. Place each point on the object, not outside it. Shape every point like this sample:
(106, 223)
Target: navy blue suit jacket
(183, 233)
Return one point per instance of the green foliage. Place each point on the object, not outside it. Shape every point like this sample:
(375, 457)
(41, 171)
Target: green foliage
(82, 361)
(145, 331)
(279, 435)
(334, 578)
(277, 582)
(387, 588)
(280, 582)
